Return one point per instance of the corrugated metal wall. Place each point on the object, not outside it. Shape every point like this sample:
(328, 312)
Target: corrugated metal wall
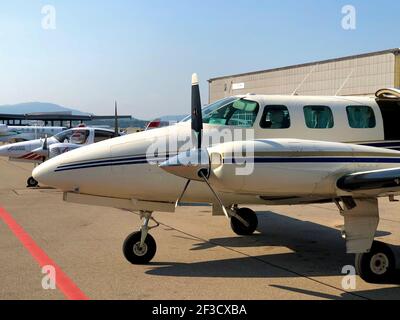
(353, 76)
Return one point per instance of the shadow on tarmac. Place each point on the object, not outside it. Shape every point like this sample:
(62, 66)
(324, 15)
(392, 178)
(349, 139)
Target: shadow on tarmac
(314, 251)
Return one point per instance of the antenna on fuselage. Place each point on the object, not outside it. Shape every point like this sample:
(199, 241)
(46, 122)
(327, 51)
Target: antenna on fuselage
(304, 80)
(345, 82)
(116, 129)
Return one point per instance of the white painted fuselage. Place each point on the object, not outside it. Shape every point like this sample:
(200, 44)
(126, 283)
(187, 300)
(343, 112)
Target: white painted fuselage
(285, 168)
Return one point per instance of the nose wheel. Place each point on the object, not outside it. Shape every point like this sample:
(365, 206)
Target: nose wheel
(244, 221)
(378, 265)
(32, 183)
(140, 247)
(137, 252)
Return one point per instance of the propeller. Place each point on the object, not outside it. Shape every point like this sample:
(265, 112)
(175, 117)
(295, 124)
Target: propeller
(43, 151)
(197, 116)
(45, 145)
(194, 164)
(116, 126)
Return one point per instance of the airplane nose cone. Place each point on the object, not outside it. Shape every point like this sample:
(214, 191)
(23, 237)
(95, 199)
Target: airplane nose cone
(45, 173)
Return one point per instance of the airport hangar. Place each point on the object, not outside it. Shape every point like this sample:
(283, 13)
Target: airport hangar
(361, 75)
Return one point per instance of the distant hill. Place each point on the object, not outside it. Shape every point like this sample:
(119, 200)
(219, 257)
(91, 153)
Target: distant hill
(33, 107)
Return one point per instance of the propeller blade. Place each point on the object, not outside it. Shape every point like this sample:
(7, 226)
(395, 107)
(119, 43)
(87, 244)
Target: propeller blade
(197, 116)
(201, 173)
(116, 126)
(197, 128)
(45, 145)
(182, 194)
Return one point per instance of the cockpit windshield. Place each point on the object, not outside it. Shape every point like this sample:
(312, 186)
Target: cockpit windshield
(73, 136)
(231, 111)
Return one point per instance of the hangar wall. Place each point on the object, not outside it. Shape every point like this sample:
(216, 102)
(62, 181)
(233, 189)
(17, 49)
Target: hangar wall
(355, 75)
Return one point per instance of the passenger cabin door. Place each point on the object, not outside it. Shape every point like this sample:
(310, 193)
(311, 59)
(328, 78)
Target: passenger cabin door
(389, 104)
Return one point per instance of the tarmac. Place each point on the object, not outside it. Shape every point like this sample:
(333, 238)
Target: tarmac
(297, 253)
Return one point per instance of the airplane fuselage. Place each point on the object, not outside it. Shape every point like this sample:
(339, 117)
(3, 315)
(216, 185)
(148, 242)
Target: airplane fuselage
(120, 168)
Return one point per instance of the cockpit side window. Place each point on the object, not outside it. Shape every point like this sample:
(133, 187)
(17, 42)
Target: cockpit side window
(361, 117)
(275, 117)
(240, 113)
(73, 136)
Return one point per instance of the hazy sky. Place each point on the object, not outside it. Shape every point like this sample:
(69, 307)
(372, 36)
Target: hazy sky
(143, 53)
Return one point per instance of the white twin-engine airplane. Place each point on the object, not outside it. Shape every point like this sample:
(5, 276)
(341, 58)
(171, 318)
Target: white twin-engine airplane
(338, 159)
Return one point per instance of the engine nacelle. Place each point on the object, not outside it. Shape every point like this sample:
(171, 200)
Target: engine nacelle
(279, 167)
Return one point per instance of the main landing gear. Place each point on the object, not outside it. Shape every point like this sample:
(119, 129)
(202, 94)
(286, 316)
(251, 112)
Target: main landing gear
(140, 247)
(32, 183)
(378, 265)
(244, 221)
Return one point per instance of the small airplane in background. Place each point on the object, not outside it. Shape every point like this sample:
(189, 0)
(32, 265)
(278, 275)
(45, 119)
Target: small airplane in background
(26, 133)
(154, 124)
(304, 150)
(40, 150)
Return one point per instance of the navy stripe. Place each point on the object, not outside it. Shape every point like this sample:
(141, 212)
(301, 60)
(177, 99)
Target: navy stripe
(110, 163)
(142, 159)
(256, 160)
(113, 160)
(102, 162)
(315, 160)
(103, 165)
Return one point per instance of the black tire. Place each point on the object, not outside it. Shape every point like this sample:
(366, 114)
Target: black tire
(250, 217)
(134, 254)
(32, 183)
(378, 265)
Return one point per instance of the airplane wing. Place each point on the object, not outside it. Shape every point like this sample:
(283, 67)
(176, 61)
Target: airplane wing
(375, 183)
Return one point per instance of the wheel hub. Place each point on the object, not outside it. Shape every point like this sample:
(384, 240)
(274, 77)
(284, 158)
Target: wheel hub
(379, 264)
(139, 250)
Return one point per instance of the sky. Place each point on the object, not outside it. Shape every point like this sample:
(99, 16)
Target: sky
(142, 53)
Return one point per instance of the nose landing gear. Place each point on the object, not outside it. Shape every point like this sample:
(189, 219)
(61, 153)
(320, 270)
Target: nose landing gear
(32, 183)
(140, 247)
(244, 221)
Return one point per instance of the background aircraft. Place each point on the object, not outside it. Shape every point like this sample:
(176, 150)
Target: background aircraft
(26, 133)
(40, 150)
(284, 170)
(10, 132)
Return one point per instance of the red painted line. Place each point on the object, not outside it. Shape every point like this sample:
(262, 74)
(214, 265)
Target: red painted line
(64, 283)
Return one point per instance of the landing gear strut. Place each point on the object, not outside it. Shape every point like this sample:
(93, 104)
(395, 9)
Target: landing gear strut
(140, 247)
(378, 265)
(32, 183)
(244, 221)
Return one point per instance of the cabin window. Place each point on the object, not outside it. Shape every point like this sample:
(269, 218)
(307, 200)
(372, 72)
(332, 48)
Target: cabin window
(318, 117)
(240, 113)
(361, 117)
(100, 135)
(275, 117)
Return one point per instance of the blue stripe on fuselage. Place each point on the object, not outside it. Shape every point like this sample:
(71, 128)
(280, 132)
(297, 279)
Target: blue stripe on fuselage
(142, 159)
(248, 160)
